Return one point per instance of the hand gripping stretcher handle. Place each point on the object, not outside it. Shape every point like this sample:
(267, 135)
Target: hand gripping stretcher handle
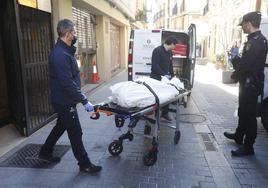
(95, 114)
(97, 109)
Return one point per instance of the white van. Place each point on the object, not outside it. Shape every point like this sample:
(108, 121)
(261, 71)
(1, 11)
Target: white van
(143, 42)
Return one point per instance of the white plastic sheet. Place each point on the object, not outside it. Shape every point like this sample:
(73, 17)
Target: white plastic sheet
(130, 94)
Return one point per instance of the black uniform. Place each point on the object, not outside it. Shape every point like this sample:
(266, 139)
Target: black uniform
(161, 66)
(250, 74)
(161, 63)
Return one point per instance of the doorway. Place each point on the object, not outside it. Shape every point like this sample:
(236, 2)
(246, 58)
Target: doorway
(4, 106)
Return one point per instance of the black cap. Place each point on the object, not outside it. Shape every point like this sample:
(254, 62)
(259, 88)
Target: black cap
(252, 17)
(171, 40)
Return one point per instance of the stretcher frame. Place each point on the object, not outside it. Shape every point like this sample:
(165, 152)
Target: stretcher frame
(136, 114)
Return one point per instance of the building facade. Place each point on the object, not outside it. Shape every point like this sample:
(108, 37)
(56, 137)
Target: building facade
(179, 15)
(215, 20)
(29, 33)
(223, 25)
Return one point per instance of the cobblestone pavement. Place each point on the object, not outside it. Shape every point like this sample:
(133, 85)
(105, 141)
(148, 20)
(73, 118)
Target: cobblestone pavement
(201, 159)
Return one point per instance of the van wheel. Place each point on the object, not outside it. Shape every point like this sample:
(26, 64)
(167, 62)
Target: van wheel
(264, 120)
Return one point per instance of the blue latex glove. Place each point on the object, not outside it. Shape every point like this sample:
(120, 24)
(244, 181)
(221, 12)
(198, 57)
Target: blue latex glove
(168, 76)
(89, 107)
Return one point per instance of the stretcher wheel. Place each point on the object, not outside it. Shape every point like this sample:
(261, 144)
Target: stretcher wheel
(177, 137)
(115, 148)
(150, 158)
(147, 129)
(119, 121)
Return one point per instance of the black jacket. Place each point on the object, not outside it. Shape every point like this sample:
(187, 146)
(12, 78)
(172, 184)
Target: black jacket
(65, 76)
(161, 63)
(253, 57)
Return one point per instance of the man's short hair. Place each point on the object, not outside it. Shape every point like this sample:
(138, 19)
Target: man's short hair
(171, 40)
(253, 17)
(64, 26)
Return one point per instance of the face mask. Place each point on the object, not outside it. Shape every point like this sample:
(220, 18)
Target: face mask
(74, 40)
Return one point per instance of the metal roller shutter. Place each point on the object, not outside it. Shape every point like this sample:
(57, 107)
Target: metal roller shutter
(36, 40)
(86, 43)
(84, 22)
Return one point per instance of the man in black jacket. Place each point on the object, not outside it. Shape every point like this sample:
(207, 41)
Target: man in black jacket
(162, 66)
(250, 74)
(65, 95)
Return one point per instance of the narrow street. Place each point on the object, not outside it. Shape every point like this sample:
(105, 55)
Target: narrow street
(52, 50)
(201, 159)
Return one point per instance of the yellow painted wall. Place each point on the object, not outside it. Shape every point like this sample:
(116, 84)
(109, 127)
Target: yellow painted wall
(104, 8)
(103, 51)
(124, 38)
(60, 9)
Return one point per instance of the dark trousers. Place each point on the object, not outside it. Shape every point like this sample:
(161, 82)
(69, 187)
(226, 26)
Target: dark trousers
(67, 120)
(247, 123)
(165, 110)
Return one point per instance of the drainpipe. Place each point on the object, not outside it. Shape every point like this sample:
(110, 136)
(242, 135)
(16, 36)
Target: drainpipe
(258, 5)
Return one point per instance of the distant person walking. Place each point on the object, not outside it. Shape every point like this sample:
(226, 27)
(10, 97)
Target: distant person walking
(234, 51)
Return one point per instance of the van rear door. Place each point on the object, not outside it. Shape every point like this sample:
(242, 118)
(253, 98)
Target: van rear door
(192, 51)
(264, 30)
(144, 42)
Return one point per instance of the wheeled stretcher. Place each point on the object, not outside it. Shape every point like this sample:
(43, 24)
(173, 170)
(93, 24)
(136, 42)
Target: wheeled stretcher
(135, 114)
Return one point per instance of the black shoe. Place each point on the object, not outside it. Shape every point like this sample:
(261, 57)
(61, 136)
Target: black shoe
(49, 158)
(91, 168)
(232, 136)
(243, 151)
(166, 118)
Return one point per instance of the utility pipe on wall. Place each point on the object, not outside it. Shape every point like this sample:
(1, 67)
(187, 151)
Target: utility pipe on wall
(258, 5)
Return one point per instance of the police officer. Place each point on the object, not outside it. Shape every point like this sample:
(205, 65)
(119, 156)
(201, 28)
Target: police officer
(250, 74)
(162, 66)
(65, 95)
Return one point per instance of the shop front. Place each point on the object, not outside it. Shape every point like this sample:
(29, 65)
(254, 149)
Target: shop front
(4, 106)
(26, 40)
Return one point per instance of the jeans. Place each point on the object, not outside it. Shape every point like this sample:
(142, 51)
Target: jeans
(67, 120)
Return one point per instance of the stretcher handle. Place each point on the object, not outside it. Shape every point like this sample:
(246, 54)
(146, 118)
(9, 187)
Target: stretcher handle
(96, 114)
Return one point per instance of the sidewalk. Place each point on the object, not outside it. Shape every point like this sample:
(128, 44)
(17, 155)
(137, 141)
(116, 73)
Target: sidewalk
(201, 159)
